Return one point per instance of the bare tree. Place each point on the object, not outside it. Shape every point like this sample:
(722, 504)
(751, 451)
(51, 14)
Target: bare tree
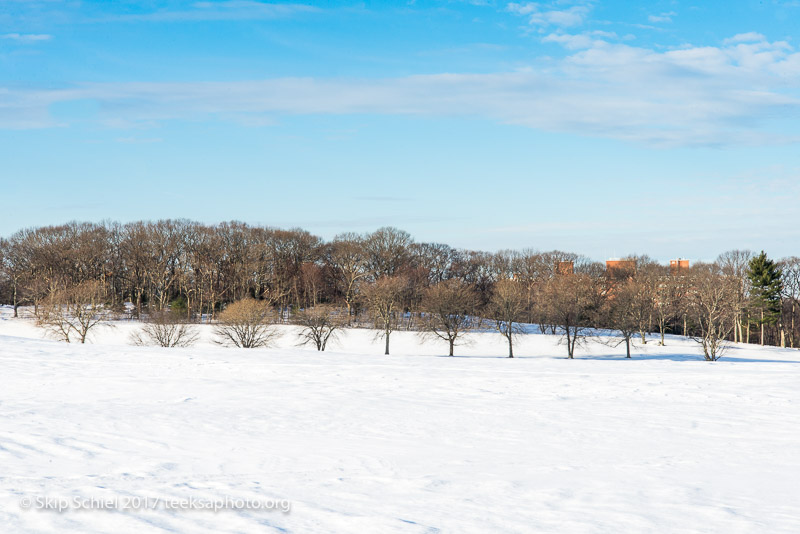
(713, 306)
(385, 300)
(162, 265)
(670, 301)
(735, 264)
(647, 278)
(206, 258)
(533, 269)
(247, 323)
(15, 262)
(448, 309)
(289, 250)
(436, 259)
(72, 312)
(166, 245)
(347, 258)
(387, 251)
(570, 301)
(622, 314)
(321, 324)
(507, 307)
(166, 328)
(791, 295)
(479, 269)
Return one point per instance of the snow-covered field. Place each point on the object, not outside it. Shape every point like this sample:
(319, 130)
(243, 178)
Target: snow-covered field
(413, 442)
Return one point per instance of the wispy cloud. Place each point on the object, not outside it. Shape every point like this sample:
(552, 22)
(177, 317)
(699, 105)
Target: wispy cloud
(27, 37)
(711, 96)
(580, 41)
(226, 10)
(749, 37)
(663, 17)
(553, 14)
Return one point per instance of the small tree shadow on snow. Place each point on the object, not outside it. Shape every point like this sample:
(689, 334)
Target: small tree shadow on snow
(733, 353)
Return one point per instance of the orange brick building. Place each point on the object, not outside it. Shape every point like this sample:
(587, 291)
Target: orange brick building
(620, 268)
(677, 266)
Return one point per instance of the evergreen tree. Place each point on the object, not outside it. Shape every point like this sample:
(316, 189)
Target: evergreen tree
(766, 282)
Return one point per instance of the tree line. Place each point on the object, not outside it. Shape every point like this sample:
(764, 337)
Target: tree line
(180, 269)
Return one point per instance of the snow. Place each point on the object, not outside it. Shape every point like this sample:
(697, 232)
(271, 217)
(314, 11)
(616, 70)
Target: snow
(412, 442)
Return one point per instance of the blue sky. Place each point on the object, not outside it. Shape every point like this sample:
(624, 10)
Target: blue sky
(604, 128)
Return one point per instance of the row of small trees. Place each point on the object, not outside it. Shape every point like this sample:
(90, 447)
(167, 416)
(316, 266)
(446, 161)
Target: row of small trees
(71, 273)
(569, 305)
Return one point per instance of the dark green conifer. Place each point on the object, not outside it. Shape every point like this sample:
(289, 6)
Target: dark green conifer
(765, 296)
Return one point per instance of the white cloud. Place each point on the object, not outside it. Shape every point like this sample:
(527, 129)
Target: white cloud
(693, 96)
(27, 37)
(749, 37)
(579, 41)
(601, 33)
(524, 8)
(570, 42)
(663, 17)
(550, 15)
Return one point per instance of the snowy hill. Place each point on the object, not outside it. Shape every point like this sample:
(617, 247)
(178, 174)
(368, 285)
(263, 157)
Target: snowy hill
(413, 442)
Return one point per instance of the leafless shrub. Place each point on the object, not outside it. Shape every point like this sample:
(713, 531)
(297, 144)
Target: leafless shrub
(321, 324)
(713, 307)
(70, 313)
(166, 329)
(247, 324)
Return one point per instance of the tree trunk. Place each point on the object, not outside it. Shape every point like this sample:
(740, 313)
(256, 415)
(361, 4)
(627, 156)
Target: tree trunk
(762, 327)
(451, 346)
(569, 347)
(16, 304)
(510, 347)
(387, 342)
(628, 346)
(748, 328)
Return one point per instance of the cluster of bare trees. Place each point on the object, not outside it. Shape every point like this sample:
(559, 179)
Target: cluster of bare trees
(241, 277)
(71, 312)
